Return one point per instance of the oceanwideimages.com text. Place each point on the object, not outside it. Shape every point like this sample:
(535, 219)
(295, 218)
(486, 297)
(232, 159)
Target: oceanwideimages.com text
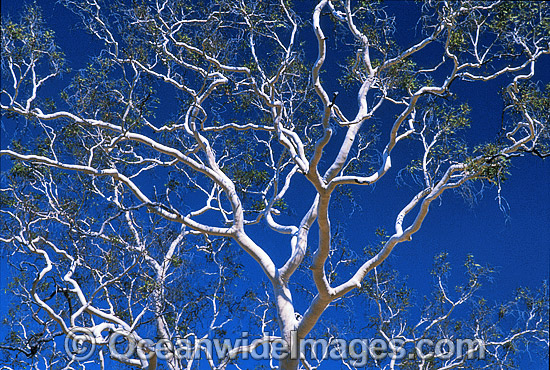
(81, 345)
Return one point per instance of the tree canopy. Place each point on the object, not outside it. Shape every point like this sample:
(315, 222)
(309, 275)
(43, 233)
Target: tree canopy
(196, 172)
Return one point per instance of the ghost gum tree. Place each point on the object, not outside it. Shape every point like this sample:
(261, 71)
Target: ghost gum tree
(131, 185)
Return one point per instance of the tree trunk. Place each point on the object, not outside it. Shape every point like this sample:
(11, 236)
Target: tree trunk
(288, 325)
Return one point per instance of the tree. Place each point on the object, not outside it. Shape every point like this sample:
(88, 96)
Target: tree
(130, 191)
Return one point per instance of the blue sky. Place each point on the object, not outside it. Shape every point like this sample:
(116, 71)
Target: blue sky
(515, 242)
